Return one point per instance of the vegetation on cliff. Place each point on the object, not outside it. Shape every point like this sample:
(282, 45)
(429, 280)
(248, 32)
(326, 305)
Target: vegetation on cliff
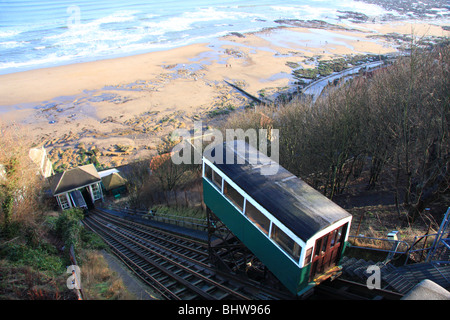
(388, 128)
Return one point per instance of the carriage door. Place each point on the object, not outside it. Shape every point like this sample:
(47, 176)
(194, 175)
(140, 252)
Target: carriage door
(327, 251)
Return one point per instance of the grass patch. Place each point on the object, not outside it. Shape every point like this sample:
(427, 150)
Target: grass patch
(33, 263)
(21, 282)
(221, 111)
(98, 281)
(43, 258)
(162, 210)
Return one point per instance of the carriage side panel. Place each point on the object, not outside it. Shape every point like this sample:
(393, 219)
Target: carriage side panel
(289, 273)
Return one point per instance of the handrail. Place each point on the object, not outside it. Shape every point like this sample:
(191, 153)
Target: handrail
(383, 240)
(443, 228)
(423, 250)
(394, 246)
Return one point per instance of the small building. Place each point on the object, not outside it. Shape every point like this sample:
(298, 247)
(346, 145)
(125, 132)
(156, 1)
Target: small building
(113, 183)
(78, 187)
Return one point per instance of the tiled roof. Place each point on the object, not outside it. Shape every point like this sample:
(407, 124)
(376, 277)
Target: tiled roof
(73, 179)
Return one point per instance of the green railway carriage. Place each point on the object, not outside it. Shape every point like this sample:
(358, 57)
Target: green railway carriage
(299, 234)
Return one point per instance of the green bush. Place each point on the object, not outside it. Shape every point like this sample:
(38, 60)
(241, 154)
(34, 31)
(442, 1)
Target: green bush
(92, 241)
(41, 258)
(306, 73)
(325, 69)
(68, 227)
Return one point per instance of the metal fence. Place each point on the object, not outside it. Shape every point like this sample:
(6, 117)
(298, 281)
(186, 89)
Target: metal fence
(390, 247)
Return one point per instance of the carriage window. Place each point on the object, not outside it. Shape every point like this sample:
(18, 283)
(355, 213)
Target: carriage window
(333, 238)
(317, 247)
(217, 180)
(325, 243)
(233, 195)
(212, 176)
(208, 172)
(284, 241)
(339, 233)
(308, 256)
(257, 217)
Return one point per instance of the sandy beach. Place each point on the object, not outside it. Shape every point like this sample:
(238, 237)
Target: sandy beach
(123, 107)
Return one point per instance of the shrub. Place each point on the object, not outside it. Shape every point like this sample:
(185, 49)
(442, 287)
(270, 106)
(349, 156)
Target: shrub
(68, 227)
(393, 123)
(91, 240)
(41, 258)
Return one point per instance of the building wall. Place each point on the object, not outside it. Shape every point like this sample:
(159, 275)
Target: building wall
(95, 192)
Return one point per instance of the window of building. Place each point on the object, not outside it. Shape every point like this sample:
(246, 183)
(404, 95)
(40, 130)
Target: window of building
(259, 219)
(291, 247)
(63, 201)
(233, 195)
(96, 192)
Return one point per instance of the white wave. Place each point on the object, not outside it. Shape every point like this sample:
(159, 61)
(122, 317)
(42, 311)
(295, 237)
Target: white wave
(362, 7)
(305, 12)
(128, 31)
(117, 17)
(187, 20)
(9, 33)
(314, 10)
(12, 44)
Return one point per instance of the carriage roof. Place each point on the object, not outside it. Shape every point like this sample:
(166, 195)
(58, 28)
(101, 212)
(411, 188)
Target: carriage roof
(302, 209)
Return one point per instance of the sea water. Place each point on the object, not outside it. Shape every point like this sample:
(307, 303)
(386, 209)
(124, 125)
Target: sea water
(43, 33)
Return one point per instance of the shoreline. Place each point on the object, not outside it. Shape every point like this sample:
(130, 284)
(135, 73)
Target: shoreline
(122, 108)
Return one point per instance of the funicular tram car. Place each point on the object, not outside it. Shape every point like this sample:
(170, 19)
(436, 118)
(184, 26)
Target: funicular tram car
(294, 230)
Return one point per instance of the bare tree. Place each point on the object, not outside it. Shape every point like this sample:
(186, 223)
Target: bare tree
(20, 181)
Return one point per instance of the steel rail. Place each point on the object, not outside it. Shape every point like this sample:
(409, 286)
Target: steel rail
(137, 242)
(157, 231)
(156, 234)
(154, 283)
(157, 266)
(173, 251)
(262, 292)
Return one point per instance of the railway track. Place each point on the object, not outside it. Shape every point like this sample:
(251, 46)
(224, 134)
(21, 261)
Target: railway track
(175, 266)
